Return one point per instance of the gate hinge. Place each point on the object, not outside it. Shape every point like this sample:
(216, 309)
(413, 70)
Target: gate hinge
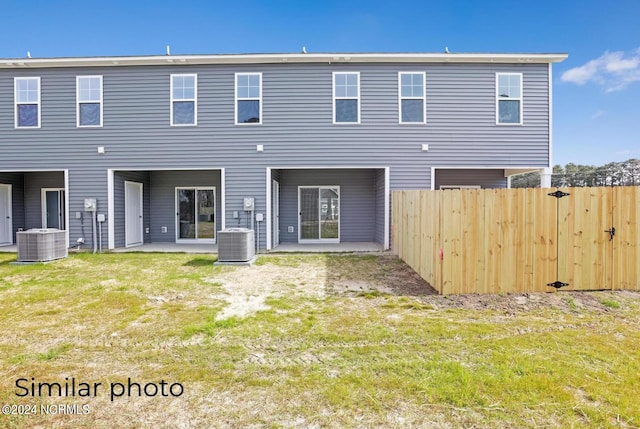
(557, 284)
(558, 194)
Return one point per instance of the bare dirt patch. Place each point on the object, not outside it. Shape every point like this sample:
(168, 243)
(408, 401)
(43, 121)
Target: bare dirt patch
(384, 273)
(247, 290)
(567, 301)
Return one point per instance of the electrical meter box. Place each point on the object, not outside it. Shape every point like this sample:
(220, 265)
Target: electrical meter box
(249, 204)
(90, 205)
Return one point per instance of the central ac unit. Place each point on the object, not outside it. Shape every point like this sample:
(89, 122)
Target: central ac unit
(41, 245)
(235, 245)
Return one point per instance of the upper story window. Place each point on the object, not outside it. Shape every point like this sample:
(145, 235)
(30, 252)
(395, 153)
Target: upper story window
(248, 98)
(412, 97)
(509, 98)
(346, 97)
(184, 103)
(89, 101)
(27, 99)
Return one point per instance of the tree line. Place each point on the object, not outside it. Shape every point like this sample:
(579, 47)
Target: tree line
(625, 173)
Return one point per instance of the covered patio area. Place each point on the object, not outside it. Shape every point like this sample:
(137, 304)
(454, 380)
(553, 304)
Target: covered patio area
(164, 207)
(282, 248)
(32, 199)
(170, 248)
(346, 247)
(327, 209)
(364, 247)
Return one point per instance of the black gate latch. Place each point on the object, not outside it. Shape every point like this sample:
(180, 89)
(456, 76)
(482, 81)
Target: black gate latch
(612, 232)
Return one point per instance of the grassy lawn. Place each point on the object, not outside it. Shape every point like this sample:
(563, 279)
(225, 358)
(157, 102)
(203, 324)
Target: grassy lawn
(308, 341)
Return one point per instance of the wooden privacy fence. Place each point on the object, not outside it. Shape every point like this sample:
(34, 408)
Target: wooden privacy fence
(520, 240)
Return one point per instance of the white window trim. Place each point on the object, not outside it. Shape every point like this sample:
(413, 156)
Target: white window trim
(423, 98)
(345, 98)
(521, 99)
(453, 187)
(194, 99)
(78, 102)
(236, 98)
(15, 102)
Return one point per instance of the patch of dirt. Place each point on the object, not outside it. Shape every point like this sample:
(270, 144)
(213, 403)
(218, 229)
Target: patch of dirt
(388, 274)
(567, 301)
(247, 289)
(393, 277)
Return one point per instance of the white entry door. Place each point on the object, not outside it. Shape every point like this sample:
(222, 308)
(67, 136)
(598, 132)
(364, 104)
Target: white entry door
(133, 214)
(275, 213)
(53, 208)
(6, 229)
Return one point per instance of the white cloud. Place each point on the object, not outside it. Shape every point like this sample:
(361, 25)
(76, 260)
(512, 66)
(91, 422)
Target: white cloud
(583, 74)
(598, 114)
(614, 71)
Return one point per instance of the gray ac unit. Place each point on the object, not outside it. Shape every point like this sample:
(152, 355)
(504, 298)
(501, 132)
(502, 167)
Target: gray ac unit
(41, 245)
(235, 245)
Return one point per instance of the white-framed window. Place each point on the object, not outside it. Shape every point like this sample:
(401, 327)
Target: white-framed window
(248, 98)
(411, 92)
(509, 98)
(184, 99)
(89, 101)
(346, 97)
(27, 102)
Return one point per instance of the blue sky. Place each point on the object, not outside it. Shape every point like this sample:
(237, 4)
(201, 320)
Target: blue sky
(596, 90)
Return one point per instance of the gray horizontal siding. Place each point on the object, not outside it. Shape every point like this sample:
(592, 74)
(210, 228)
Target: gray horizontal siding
(244, 182)
(86, 181)
(297, 127)
(482, 178)
(297, 115)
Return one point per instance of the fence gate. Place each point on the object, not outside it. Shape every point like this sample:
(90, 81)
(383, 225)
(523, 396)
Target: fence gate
(598, 239)
(626, 241)
(585, 248)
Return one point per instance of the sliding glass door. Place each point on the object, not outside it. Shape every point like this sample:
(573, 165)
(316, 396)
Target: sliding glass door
(319, 214)
(196, 208)
(53, 208)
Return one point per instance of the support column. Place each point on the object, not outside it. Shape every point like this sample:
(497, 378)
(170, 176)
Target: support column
(545, 177)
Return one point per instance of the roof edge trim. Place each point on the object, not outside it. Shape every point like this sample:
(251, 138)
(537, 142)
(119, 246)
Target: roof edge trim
(154, 60)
